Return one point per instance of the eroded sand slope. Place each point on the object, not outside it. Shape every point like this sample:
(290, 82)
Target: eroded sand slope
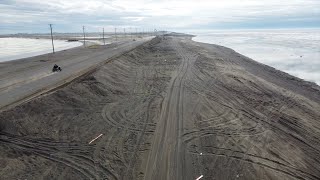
(170, 109)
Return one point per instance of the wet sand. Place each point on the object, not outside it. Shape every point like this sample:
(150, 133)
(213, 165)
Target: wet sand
(169, 109)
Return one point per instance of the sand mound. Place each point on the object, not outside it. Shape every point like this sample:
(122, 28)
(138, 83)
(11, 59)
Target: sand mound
(170, 109)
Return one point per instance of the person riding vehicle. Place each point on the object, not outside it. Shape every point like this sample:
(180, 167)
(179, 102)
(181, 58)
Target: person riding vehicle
(56, 68)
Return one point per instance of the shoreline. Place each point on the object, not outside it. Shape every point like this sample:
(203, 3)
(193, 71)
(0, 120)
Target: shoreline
(170, 108)
(263, 64)
(294, 52)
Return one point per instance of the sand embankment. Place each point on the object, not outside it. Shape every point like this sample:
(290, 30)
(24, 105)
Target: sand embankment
(170, 109)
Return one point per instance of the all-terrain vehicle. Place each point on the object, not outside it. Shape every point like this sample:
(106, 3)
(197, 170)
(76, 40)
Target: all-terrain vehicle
(56, 68)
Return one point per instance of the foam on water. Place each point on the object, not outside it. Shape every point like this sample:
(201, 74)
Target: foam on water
(296, 52)
(16, 48)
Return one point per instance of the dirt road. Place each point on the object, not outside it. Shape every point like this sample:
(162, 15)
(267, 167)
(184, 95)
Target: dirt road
(29, 77)
(170, 109)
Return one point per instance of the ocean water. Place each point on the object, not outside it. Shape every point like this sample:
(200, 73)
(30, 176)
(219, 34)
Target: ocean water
(16, 48)
(294, 51)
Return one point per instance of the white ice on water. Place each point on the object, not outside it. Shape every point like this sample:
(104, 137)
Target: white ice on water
(16, 48)
(296, 52)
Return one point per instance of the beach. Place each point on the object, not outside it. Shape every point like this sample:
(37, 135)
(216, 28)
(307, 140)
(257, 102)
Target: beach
(161, 108)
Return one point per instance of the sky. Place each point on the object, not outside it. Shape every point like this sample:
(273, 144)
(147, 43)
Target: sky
(33, 16)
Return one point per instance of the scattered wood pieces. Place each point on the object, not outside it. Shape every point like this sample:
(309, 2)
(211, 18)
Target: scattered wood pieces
(95, 139)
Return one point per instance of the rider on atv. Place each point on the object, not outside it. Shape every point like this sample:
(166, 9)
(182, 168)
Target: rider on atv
(56, 68)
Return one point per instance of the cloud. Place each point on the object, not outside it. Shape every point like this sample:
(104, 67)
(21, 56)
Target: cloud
(160, 13)
(135, 19)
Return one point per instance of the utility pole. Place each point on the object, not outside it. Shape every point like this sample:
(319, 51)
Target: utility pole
(124, 32)
(52, 38)
(104, 42)
(84, 37)
(136, 32)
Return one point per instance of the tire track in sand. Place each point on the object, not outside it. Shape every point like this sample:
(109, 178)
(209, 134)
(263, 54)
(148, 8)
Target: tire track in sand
(75, 156)
(165, 160)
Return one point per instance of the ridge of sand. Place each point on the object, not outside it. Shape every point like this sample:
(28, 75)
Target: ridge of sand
(169, 109)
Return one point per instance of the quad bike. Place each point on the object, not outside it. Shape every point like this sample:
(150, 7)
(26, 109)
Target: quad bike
(56, 68)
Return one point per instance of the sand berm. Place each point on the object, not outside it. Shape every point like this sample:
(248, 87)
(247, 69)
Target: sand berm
(169, 109)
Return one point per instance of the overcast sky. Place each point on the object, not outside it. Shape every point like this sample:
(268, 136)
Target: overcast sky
(69, 15)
